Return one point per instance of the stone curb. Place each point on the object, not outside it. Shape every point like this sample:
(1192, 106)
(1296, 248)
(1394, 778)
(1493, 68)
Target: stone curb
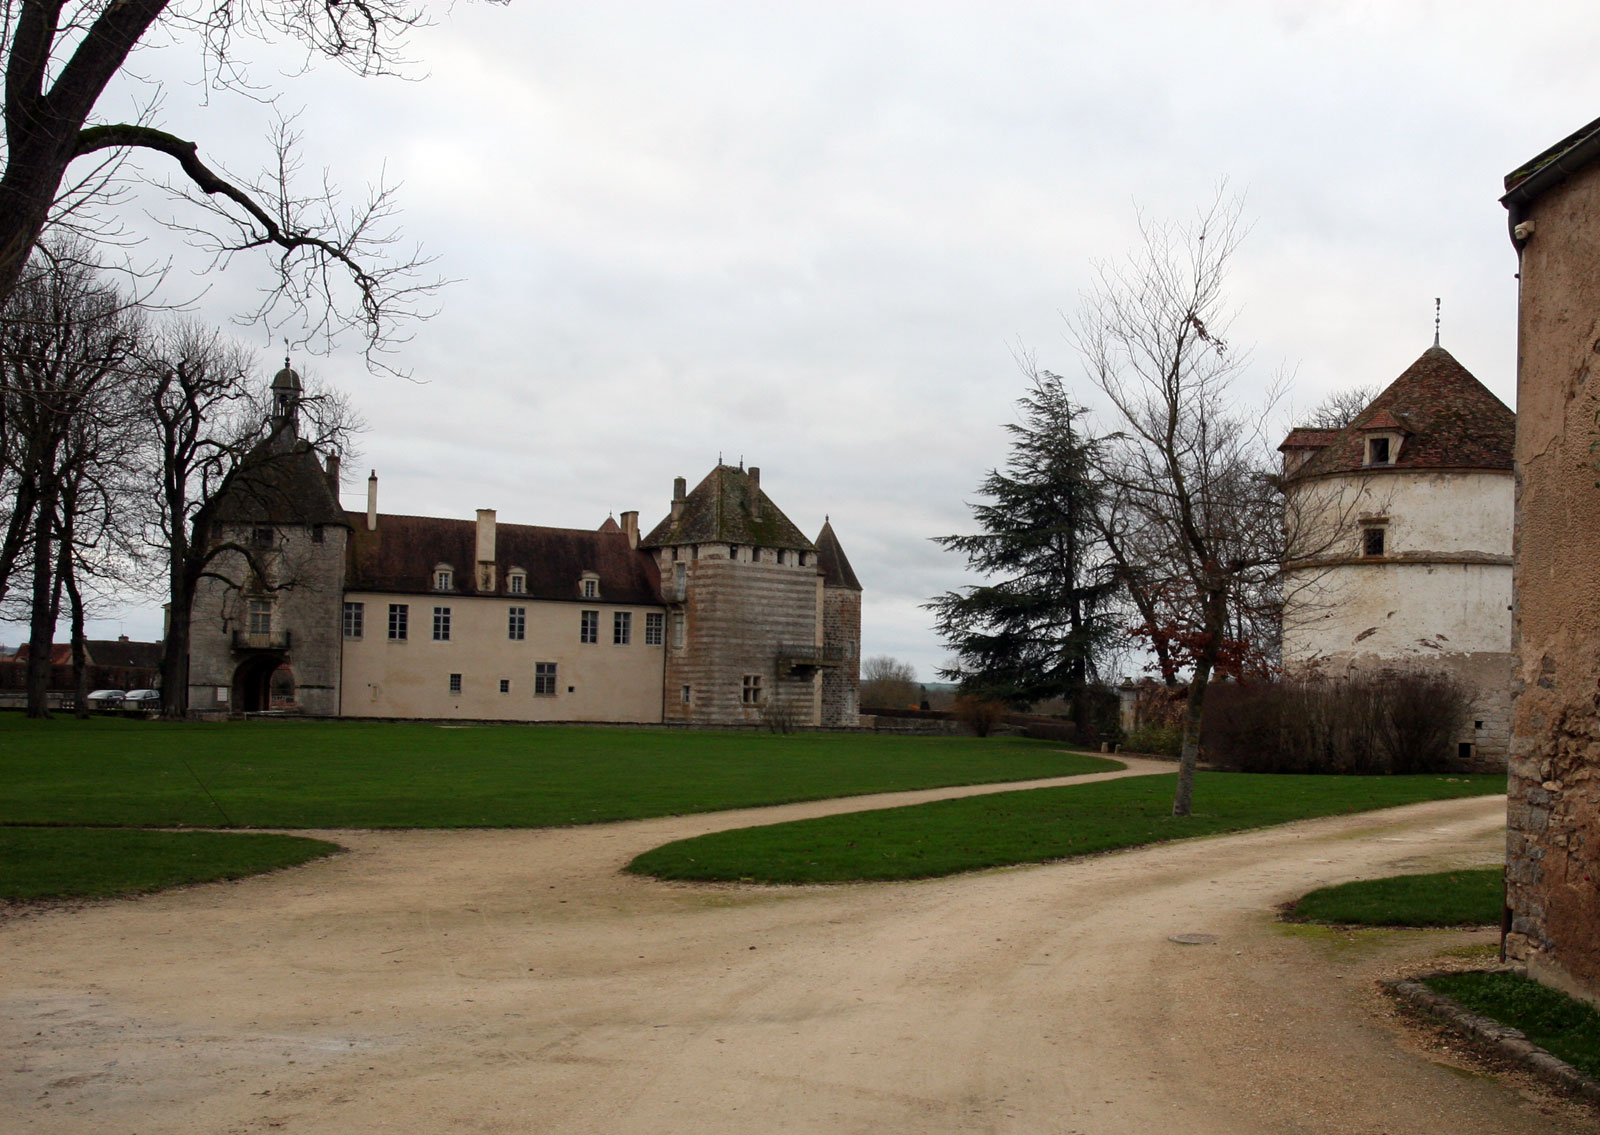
(1508, 1042)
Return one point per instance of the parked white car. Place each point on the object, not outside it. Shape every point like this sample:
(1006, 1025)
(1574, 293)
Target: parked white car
(106, 699)
(141, 699)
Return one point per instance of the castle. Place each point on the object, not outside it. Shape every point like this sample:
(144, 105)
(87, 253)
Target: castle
(1404, 518)
(724, 614)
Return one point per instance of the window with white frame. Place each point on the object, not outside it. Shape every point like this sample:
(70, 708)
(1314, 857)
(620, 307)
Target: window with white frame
(751, 695)
(399, 616)
(591, 586)
(355, 617)
(654, 628)
(621, 627)
(589, 627)
(441, 624)
(544, 679)
(455, 683)
(443, 579)
(517, 583)
(260, 616)
(516, 623)
(685, 694)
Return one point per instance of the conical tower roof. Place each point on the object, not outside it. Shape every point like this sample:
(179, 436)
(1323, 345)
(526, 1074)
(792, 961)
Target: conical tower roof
(1448, 418)
(728, 507)
(833, 563)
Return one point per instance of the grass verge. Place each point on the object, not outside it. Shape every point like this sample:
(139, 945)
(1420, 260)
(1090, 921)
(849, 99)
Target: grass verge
(1446, 898)
(978, 832)
(56, 863)
(384, 775)
(1562, 1026)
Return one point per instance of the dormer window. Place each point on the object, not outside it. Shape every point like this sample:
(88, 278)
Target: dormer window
(1378, 451)
(517, 581)
(444, 578)
(589, 587)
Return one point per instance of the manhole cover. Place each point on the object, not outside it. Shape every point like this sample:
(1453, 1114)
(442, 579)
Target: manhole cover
(1193, 939)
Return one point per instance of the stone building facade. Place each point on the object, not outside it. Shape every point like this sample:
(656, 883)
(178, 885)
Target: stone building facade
(725, 615)
(1404, 522)
(264, 629)
(1553, 816)
(748, 599)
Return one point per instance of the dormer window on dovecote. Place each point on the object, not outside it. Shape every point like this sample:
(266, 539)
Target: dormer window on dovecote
(589, 585)
(1378, 452)
(444, 577)
(1382, 437)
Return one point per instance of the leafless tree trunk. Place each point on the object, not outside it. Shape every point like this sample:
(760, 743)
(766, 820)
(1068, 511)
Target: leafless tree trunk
(61, 55)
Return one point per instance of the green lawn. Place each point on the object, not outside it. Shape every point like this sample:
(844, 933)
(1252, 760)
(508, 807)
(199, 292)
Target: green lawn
(384, 775)
(1555, 1022)
(1446, 898)
(950, 836)
(49, 863)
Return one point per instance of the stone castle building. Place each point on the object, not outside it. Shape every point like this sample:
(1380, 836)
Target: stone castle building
(1553, 814)
(1403, 520)
(724, 614)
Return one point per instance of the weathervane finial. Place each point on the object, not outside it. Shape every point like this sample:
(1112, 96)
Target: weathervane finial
(1435, 321)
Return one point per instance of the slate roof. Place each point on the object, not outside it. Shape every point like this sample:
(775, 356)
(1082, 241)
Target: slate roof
(831, 560)
(401, 553)
(719, 511)
(282, 481)
(1450, 421)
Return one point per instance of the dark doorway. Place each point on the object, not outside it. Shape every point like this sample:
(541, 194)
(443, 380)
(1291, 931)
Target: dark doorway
(252, 683)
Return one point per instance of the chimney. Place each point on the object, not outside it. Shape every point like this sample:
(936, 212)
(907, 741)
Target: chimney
(333, 475)
(372, 502)
(122, 638)
(630, 526)
(755, 492)
(486, 535)
(680, 493)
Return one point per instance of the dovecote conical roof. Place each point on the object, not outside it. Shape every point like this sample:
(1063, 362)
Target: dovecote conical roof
(728, 507)
(1448, 418)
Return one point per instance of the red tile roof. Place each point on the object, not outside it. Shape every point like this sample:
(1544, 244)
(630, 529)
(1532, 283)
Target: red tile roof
(401, 554)
(1449, 418)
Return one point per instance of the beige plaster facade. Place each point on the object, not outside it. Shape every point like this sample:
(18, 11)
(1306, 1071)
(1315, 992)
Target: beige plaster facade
(481, 672)
(1553, 817)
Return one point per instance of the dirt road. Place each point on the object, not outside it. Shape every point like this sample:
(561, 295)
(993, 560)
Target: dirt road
(515, 982)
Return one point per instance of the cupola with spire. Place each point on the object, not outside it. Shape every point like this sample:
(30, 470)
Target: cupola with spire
(286, 390)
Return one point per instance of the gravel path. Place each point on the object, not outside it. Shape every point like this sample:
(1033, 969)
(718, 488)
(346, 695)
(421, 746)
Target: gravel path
(515, 981)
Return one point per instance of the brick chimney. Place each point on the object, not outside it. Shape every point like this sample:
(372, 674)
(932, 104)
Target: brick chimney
(372, 502)
(333, 475)
(630, 526)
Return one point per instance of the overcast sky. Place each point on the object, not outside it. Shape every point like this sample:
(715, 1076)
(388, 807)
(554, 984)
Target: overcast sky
(815, 236)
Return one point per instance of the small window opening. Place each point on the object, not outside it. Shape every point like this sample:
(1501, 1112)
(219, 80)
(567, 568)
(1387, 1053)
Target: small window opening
(1378, 451)
(1372, 541)
(505, 685)
(1464, 751)
(455, 683)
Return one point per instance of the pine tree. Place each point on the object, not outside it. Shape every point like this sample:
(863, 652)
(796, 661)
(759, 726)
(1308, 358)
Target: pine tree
(1037, 629)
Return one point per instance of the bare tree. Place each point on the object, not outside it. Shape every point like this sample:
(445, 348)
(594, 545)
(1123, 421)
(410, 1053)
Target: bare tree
(60, 56)
(1200, 517)
(888, 683)
(65, 342)
(1340, 408)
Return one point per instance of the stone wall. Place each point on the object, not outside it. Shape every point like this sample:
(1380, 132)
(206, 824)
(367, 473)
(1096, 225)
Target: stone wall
(841, 631)
(1553, 841)
(304, 566)
(737, 613)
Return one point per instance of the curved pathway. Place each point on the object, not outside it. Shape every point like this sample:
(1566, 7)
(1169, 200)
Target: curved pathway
(516, 981)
